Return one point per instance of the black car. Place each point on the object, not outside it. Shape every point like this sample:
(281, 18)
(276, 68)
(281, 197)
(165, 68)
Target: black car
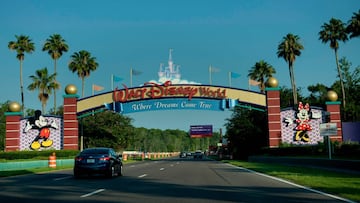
(198, 154)
(100, 160)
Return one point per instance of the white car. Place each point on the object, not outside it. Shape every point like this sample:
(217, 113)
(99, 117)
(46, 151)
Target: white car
(183, 155)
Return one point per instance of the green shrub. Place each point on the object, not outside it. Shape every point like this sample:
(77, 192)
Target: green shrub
(348, 149)
(339, 149)
(14, 155)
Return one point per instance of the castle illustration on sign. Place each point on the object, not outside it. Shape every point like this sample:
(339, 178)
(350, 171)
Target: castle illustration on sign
(171, 72)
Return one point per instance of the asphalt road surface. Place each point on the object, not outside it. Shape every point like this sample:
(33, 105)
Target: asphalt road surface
(171, 180)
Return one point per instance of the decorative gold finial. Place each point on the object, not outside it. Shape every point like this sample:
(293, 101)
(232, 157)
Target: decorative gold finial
(332, 95)
(70, 89)
(272, 82)
(14, 107)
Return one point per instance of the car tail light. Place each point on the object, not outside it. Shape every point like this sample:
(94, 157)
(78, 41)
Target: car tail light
(104, 158)
(78, 158)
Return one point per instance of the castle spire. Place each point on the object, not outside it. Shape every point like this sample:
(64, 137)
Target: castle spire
(170, 61)
(170, 54)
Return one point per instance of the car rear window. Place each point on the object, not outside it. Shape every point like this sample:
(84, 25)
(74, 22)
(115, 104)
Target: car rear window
(95, 151)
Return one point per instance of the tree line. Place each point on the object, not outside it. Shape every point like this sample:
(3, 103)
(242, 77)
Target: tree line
(116, 130)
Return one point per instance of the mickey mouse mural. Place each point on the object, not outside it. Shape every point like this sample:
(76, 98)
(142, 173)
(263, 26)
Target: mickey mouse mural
(42, 125)
(303, 116)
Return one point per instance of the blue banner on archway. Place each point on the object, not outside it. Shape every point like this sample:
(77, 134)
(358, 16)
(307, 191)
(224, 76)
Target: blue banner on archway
(169, 104)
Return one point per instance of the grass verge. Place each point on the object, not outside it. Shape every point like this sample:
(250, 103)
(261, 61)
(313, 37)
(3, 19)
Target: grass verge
(8, 173)
(336, 183)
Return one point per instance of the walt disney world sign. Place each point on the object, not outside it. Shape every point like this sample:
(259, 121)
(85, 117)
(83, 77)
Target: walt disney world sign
(167, 96)
(156, 91)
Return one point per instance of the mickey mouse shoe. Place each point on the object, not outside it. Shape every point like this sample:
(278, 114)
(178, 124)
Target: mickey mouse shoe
(46, 143)
(35, 145)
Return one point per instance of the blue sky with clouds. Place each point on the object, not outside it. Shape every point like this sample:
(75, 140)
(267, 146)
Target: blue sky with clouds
(230, 35)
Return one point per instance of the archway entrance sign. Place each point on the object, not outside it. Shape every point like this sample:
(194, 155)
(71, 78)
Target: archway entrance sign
(153, 97)
(187, 96)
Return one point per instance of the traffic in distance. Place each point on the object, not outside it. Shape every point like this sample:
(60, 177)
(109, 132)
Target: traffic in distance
(198, 154)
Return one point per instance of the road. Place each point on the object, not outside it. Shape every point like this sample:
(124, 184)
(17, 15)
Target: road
(169, 180)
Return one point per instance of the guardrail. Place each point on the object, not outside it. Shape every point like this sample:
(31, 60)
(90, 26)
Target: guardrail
(148, 155)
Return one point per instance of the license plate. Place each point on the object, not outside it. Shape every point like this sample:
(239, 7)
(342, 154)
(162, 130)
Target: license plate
(90, 161)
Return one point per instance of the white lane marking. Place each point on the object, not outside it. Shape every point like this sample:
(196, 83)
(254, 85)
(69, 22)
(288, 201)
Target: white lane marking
(143, 175)
(172, 165)
(161, 169)
(294, 184)
(93, 193)
(62, 178)
(132, 166)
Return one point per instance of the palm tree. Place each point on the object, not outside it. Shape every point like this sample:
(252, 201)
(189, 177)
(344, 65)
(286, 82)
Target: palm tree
(334, 32)
(353, 27)
(22, 45)
(45, 84)
(83, 63)
(260, 72)
(55, 45)
(289, 48)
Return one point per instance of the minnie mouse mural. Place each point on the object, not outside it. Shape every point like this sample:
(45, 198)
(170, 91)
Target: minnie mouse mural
(303, 116)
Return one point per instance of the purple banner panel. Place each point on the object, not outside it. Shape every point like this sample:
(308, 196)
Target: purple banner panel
(199, 131)
(351, 131)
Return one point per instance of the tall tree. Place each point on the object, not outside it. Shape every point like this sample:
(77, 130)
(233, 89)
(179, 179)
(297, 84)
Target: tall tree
(4, 107)
(286, 97)
(289, 48)
(318, 95)
(260, 72)
(45, 83)
(353, 27)
(22, 45)
(333, 32)
(107, 129)
(246, 131)
(83, 63)
(55, 45)
(352, 87)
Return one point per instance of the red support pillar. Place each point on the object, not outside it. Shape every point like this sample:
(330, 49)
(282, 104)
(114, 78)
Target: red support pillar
(71, 127)
(333, 107)
(12, 134)
(274, 118)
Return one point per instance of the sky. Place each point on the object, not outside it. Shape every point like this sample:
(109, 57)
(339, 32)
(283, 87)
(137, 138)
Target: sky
(230, 35)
